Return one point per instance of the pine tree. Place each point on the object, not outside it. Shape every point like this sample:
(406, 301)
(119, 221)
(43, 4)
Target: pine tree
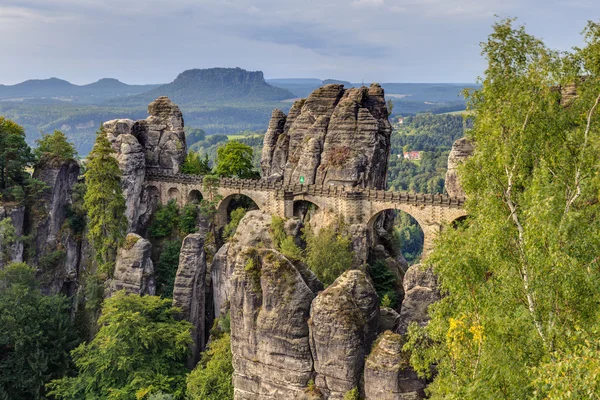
(104, 203)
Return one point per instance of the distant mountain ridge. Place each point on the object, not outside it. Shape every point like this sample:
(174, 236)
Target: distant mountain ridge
(207, 86)
(54, 88)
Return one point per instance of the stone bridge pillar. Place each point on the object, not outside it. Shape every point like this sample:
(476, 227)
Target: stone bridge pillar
(430, 232)
(354, 210)
(288, 204)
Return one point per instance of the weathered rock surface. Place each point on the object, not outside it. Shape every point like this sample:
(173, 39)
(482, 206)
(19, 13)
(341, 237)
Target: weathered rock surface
(189, 291)
(156, 143)
(335, 136)
(270, 303)
(420, 290)
(134, 271)
(220, 273)
(52, 237)
(388, 375)
(14, 252)
(389, 319)
(252, 231)
(461, 150)
(343, 324)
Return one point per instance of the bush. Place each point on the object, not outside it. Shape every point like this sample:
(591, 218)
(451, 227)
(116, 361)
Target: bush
(289, 249)
(211, 379)
(166, 268)
(352, 394)
(165, 220)
(188, 219)
(236, 217)
(328, 253)
(51, 260)
(384, 282)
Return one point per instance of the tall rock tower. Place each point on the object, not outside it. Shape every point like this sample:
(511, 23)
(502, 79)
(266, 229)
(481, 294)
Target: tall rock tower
(335, 136)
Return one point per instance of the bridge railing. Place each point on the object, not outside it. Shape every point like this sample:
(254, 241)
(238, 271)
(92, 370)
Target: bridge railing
(314, 190)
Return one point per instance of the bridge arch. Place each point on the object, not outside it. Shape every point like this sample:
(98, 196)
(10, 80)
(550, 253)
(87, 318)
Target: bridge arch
(231, 202)
(194, 196)
(304, 209)
(412, 236)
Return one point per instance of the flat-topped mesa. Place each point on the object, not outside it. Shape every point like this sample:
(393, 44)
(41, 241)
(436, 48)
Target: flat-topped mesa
(336, 136)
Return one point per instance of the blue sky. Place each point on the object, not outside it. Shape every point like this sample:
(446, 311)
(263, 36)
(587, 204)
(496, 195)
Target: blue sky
(151, 41)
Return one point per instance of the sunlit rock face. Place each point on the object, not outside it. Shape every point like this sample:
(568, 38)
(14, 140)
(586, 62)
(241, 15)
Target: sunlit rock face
(335, 136)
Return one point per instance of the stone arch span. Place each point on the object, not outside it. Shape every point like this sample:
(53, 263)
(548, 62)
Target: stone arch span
(224, 206)
(194, 196)
(430, 217)
(305, 206)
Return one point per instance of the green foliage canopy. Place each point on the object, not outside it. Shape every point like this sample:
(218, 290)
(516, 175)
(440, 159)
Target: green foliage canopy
(521, 276)
(328, 253)
(211, 379)
(35, 335)
(139, 350)
(104, 203)
(55, 145)
(235, 160)
(15, 154)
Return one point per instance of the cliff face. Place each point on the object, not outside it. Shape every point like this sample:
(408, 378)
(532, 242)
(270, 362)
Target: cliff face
(189, 293)
(48, 224)
(156, 143)
(335, 136)
(11, 232)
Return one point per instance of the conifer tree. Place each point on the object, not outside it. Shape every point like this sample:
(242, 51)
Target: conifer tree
(104, 203)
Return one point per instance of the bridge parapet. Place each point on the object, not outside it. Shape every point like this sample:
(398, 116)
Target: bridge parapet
(316, 190)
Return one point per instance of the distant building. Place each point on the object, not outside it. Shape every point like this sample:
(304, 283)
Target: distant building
(401, 120)
(412, 155)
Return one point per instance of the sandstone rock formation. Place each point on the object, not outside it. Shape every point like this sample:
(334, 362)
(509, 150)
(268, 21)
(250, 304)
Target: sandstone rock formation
(11, 250)
(270, 303)
(343, 324)
(220, 273)
(52, 238)
(420, 290)
(189, 291)
(156, 143)
(335, 136)
(389, 319)
(461, 150)
(134, 271)
(388, 375)
(252, 231)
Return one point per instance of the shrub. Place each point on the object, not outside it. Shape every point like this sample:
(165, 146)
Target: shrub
(188, 219)
(328, 253)
(236, 217)
(352, 394)
(211, 379)
(384, 282)
(165, 220)
(166, 268)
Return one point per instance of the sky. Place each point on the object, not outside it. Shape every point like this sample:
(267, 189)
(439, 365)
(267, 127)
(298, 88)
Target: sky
(151, 41)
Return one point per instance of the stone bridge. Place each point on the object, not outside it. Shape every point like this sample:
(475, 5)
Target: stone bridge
(356, 206)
